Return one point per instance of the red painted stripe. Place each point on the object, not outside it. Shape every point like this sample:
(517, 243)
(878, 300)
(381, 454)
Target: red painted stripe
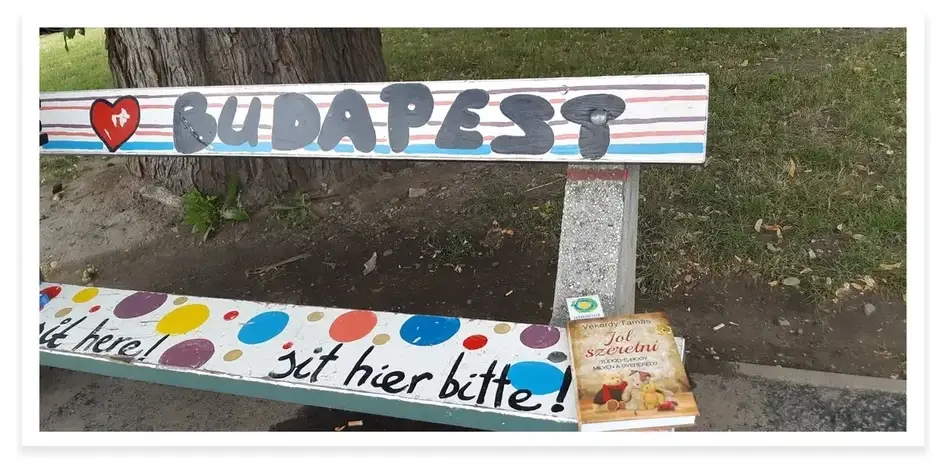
(653, 99)
(71, 134)
(578, 174)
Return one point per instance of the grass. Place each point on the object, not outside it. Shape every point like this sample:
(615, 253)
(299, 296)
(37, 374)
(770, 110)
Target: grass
(205, 213)
(532, 220)
(58, 169)
(83, 67)
(296, 212)
(807, 131)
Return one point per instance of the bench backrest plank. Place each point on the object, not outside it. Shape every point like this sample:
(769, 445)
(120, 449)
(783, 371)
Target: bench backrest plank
(648, 119)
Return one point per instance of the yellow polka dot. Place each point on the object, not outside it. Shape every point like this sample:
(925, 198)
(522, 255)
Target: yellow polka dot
(315, 316)
(381, 339)
(180, 300)
(85, 295)
(502, 328)
(232, 355)
(63, 312)
(183, 319)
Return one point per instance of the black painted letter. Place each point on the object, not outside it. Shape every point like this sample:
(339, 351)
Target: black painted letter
(593, 139)
(249, 130)
(192, 128)
(530, 113)
(400, 118)
(348, 116)
(451, 136)
(297, 121)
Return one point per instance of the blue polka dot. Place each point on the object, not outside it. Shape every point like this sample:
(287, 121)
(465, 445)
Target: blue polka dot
(44, 299)
(426, 330)
(263, 327)
(539, 378)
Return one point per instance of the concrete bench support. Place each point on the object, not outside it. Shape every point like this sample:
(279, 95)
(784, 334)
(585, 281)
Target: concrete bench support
(599, 238)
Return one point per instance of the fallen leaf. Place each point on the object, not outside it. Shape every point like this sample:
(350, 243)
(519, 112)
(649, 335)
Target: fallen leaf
(770, 228)
(811, 253)
(806, 271)
(791, 281)
(779, 233)
(890, 267)
(771, 247)
(371, 264)
(859, 237)
(758, 225)
(792, 170)
(889, 152)
(842, 290)
(839, 227)
(856, 286)
(744, 63)
(773, 283)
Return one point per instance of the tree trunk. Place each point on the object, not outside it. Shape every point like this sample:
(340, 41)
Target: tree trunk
(147, 57)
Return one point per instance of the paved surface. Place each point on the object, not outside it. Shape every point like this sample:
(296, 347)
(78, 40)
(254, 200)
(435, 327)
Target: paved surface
(744, 403)
(731, 398)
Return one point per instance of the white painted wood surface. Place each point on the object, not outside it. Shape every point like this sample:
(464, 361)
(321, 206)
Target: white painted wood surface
(201, 335)
(664, 121)
(194, 340)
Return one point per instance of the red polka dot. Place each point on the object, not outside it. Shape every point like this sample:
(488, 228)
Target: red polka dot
(352, 325)
(52, 291)
(231, 315)
(475, 342)
(94, 309)
(287, 345)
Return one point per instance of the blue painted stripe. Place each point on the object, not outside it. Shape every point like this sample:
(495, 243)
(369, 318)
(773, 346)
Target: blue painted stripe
(637, 149)
(415, 149)
(147, 146)
(431, 149)
(73, 145)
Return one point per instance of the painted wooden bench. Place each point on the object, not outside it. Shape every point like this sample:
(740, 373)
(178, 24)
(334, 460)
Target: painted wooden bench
(494, 375)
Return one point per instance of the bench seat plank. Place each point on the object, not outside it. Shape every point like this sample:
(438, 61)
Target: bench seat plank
(482, 374)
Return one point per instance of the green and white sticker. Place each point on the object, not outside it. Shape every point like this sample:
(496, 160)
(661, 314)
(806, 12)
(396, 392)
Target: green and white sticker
(581, 308)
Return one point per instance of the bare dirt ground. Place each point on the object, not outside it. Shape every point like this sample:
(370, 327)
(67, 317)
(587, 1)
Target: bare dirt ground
(436, 254)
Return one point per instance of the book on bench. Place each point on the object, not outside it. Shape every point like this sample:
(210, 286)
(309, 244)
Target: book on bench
(629, 373)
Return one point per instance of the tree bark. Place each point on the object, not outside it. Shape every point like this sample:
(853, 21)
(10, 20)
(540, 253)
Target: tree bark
(148, 57)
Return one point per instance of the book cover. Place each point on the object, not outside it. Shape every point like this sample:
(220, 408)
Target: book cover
(629, 374)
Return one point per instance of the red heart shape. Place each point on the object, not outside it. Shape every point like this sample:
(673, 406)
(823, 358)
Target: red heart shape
(115, 123)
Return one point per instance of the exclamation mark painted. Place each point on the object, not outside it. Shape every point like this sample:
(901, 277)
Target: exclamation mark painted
(566, 382)
(157, 343)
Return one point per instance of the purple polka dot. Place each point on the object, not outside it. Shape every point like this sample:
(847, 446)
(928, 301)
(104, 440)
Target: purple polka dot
(192, 353)
(139, 304)
(539, 336)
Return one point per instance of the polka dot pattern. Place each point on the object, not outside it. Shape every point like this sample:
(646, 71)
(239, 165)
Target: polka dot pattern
(353, 325)
(428, 330)
(183, 319)
(263, 327)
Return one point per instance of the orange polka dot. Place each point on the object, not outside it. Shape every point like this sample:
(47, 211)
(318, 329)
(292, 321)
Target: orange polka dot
(353, 325)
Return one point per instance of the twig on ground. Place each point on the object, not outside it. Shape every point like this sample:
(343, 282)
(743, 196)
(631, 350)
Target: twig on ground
(544, 184)
(270, 267)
